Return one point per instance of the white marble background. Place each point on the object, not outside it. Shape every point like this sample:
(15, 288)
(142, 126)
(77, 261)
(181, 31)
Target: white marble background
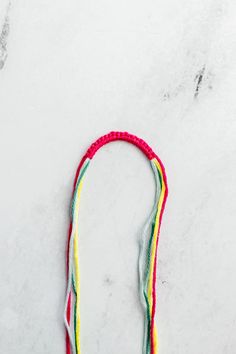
(70, 72)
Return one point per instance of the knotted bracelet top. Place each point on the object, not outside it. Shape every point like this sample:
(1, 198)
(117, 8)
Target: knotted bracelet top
(147, 255)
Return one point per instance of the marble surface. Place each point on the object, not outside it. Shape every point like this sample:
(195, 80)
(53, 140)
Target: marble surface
(70, 72)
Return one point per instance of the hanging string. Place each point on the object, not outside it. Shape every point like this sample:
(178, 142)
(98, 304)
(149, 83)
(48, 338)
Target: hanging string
(147, 255)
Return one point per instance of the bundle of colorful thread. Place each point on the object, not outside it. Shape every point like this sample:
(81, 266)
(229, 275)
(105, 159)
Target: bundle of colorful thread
(148, 248)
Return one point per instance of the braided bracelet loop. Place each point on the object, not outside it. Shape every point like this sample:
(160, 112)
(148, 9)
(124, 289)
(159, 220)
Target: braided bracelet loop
(148, 247)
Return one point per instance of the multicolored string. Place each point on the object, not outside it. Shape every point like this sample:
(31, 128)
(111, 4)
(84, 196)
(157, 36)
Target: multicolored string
(148, 248)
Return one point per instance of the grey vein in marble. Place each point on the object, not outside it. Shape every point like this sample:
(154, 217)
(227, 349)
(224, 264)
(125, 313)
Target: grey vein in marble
(198, 79)
(3, 38)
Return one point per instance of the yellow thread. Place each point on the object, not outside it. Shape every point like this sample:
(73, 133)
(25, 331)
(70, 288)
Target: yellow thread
(155, 340)
(77, 272)
(155, 233)
(153, 250)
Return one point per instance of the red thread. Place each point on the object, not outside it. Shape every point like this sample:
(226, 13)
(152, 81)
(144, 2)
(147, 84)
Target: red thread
(155, 268)
(68, 316)
(155, 261)
(68, 310)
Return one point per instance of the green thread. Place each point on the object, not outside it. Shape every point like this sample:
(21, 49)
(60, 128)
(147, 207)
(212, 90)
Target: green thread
(75, 320)
(77, 185)
(145, 289)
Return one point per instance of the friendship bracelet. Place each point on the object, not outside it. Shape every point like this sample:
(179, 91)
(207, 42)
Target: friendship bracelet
(148, 248)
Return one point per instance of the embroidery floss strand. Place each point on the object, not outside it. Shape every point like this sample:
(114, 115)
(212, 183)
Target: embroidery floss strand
(148, 247)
